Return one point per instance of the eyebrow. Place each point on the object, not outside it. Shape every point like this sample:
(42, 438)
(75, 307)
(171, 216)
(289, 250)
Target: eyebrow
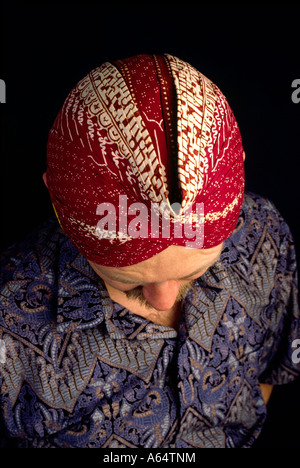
(122, 280)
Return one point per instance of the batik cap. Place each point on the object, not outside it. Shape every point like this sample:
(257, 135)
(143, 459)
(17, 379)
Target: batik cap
(145, 153)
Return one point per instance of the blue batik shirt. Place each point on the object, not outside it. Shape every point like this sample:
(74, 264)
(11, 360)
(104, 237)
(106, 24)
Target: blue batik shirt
(79, 370)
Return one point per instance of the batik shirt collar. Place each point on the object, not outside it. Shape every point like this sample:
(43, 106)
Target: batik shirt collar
(121, 323)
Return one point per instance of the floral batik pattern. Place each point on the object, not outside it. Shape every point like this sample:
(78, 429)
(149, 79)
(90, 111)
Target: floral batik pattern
(78, 370)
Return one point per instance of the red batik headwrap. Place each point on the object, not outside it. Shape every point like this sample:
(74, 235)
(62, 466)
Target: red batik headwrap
(140, 133)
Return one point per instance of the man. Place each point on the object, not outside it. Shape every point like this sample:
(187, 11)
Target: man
(164, 309)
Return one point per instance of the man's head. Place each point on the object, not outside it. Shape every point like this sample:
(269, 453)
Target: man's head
(144, 155)
(160, 281)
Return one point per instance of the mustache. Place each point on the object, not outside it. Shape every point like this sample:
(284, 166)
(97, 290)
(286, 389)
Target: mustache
(137, 294)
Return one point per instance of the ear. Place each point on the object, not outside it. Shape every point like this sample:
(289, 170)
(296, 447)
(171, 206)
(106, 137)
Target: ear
(244, 155)
(45, 179)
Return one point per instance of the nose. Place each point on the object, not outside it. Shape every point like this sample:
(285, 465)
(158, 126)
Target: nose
(161, 296)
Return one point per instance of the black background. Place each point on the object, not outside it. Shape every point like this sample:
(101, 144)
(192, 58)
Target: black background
(251, 51)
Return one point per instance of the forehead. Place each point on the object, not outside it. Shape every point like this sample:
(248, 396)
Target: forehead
(173, 262)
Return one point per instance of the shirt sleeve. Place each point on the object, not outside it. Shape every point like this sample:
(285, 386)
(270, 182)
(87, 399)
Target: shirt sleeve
(283, 314)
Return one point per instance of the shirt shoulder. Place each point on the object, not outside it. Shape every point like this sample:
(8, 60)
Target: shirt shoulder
(36, 246)
(29, 269)
(45, 279)
(259, 224)
(261, 205)
(257, 209)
